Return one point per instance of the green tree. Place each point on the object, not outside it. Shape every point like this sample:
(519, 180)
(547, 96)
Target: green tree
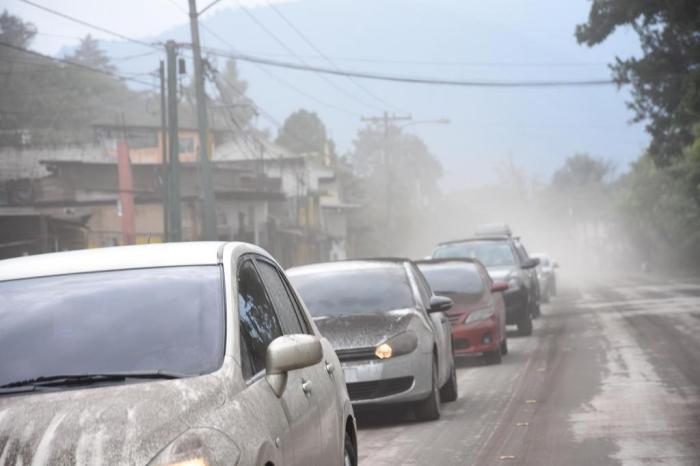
(15, 31)
(90, 54)
(666, 78)
(396, 179)
(303, 132)
(232, 98)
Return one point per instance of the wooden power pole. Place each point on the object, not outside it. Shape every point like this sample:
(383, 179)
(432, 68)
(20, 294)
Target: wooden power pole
(209, 232)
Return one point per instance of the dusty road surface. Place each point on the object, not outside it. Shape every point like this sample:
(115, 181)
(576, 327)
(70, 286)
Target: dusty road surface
(610, 376)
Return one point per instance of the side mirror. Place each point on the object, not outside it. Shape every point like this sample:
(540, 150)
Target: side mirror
(499, 286)
(287, 353)
(440, 304)
(531, 263)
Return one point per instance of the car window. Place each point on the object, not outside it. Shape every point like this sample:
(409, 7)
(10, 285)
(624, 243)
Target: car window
(453, 278)
(164, 318)
(491, 253)
(259, 323)
(373, 289)
(281, 299)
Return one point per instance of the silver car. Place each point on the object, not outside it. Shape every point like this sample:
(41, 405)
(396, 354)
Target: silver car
(390, 332)
(187, 354)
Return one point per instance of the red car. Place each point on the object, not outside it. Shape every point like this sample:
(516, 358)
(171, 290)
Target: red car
(478, 316)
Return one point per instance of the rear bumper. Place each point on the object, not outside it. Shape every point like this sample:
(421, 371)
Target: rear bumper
(395, 380)
(476, 337)
(516, 305)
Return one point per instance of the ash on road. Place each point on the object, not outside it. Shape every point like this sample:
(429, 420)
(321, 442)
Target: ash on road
(611, 376)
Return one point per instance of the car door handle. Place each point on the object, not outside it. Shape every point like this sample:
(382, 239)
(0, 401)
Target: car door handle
(306, 386)
(330, 368)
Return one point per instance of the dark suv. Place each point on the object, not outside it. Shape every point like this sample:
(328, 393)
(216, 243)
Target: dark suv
(506, 260)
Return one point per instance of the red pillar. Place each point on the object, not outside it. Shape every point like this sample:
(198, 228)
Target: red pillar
(126, 192)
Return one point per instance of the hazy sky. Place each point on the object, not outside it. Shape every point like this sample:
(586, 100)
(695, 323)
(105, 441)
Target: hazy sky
(461, 39)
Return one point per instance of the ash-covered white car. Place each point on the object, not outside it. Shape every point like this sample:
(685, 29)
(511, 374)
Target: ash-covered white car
(184, 354)
(389, 330)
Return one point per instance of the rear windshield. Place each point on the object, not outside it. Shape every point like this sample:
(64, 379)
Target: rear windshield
(131, 320)
(489, 253)
(453, 278)
(359, 291)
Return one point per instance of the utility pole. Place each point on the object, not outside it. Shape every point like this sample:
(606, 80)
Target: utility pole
(174, 215)
(387, 161)
(164, 154)
(209, 232)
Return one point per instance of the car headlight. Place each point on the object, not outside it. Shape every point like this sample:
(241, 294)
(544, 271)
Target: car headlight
(198, 447)
(403, 343)
(478, 315)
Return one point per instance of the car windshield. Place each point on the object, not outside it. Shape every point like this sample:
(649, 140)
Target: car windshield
(490, 253)
(453, 278)
(371, 290)
(168, 319)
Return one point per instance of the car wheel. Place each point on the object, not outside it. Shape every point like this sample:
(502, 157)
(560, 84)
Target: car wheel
(525, 325)
(429, 409)
(493, 357)
(504, 346)
(448, 392)
(350, 453)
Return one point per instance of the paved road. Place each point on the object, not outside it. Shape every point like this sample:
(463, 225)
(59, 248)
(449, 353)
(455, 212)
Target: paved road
(611, 376)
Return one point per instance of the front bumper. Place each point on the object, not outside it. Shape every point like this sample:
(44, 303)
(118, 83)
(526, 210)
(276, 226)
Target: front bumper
(398, 379)
(516, 305)
(476, 337)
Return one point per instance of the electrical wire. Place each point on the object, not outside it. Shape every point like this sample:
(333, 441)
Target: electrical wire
(281, 43)
(308, 41)
(277, 78)
(414, 79)
(156, 45)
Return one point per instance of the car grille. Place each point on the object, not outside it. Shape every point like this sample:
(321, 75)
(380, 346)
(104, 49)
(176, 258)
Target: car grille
(378, 388)
(356, 354)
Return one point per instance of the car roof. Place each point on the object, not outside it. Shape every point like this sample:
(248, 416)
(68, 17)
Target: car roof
(478, 238)
(448, 260)
(112, 258)
(346, 265)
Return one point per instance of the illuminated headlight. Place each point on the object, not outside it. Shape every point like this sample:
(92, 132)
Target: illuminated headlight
(192, 462)
(403, 343)
(481, 314)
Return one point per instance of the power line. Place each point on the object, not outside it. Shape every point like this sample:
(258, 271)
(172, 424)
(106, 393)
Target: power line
(288, 49)
(414, 79)
(93, 26)
(277, 78)
(77, 65)
(308, 41)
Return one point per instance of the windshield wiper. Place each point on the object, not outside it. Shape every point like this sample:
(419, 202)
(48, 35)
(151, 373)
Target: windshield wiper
(78, 379)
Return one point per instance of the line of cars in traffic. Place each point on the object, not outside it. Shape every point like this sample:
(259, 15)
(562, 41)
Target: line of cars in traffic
(209, 353)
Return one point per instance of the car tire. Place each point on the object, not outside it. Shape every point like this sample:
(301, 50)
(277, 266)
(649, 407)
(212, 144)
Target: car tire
(504, 346)
(493, 357)
(429, 409)
(350, 452)
(525, 325)
(449, 391)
